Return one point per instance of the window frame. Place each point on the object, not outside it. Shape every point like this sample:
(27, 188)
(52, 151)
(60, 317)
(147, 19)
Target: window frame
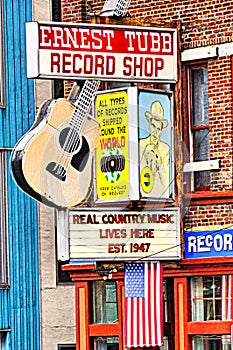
(201, 328)
(212, 299)
(108, 329)
(184, 327)
(95, 312)
(189, 128)
(196, 128)
(86, 331)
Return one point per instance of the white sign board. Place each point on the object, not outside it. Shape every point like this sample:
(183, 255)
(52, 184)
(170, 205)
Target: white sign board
(105, 52)
(124, 235)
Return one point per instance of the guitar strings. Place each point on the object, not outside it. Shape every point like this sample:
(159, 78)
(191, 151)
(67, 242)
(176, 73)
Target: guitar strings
(73, 136)
(88, 91)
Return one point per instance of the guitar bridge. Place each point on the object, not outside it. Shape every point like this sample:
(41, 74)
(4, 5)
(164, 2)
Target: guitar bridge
(57, 170)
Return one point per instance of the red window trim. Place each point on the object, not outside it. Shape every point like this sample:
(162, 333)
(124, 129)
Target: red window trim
(209, 327)
(83, 319)
(184, 328)
(208, 197)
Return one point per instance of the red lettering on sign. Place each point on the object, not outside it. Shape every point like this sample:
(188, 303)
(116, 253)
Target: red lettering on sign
(142, 66)
(89, 39)
(69, 63)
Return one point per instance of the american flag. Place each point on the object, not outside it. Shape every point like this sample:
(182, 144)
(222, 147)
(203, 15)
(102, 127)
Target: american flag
(143, 304)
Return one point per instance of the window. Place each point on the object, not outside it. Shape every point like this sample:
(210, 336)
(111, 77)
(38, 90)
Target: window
(106, 343)
(105, 302)
(168, 300)
(198, 133)
(3, 220)
(105, 315)
(200, 123)
(58, 88)
(56, 10)
(211, 342)
(211, 298)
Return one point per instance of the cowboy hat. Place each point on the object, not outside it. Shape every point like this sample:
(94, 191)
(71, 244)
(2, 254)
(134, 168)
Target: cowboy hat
(157, 114)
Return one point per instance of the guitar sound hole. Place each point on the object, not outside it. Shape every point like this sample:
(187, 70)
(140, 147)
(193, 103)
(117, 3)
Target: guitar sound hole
(69, 140)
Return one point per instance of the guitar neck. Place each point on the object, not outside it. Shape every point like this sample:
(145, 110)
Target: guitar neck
(119, 8)
(115, 7)
(83, 104)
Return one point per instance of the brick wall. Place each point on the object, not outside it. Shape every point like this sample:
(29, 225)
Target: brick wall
(202, 217)
(220, 117)
(71, 10)
(203, 23)
(78, 10)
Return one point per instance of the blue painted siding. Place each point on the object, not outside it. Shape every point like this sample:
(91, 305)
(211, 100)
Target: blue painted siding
(19, 305)
(19, 112)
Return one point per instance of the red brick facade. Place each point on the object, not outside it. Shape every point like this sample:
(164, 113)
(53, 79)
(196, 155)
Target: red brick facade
(203, 23)
(220, 115)
(209, 215)
(221, 147)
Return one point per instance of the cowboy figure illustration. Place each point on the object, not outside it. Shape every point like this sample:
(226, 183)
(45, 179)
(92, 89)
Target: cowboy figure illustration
(155, 155)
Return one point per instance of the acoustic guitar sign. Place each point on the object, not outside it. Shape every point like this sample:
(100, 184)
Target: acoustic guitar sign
(81, 51)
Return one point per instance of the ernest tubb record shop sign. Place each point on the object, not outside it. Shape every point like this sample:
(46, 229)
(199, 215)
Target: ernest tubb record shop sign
(104, 52)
